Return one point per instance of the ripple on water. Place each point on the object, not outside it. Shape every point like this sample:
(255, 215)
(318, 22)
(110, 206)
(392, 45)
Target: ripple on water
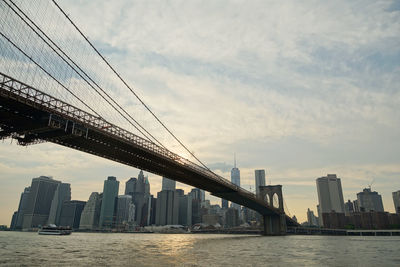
(196, 250)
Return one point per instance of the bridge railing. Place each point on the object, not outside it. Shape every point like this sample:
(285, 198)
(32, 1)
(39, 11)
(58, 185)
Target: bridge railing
(24, 93)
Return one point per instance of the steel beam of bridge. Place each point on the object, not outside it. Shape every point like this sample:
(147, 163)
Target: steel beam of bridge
(32, 116)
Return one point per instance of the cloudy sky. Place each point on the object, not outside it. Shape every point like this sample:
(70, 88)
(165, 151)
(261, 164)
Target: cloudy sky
(298, 88)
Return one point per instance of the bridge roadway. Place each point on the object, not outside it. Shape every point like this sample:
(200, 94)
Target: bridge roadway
(32, 117)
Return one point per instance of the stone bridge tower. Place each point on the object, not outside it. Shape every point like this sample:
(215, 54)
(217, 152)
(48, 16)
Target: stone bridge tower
(274, 224)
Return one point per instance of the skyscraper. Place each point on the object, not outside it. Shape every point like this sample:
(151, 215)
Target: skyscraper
(396, 201)
(125, 214)
(62, 194)
(110, 193)
(330, 195)
(235, 178)
(167, 208)
(168, 184)
(185, 210)
(224, 203)
(141, 198)
(91, 212)
(369, 201)
(235, 174)
(348, 207)
(260, 180)
(23, 204)
(71, 212)
(39, 201)
(130, 186)
(312, 220)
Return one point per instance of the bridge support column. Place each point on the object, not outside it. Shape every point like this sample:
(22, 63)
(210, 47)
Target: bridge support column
(274, 224)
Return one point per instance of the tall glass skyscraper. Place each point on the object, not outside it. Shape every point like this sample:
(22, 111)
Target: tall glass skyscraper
(110, 194)
(235, 178)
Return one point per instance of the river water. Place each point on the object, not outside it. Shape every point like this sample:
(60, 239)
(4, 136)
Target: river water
(102, 249)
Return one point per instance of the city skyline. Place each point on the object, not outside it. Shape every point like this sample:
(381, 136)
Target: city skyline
(227, 71)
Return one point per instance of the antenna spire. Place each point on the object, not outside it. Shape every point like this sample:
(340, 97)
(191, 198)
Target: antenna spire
(234, 159)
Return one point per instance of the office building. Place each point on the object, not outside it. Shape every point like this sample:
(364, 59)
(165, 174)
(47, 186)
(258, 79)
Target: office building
(260, 180)
(39, 202)
(348, 207)
(369, 201)
(167, 208)
(185, 210)
(71, 212)
(396, 201)
(195, 194)
(62, 194)
(330, 195)
(23, 204)
(202, 195)
(110, 193)
(152, 207)
(232, 217)
(125, 214)
(224, 203)
(356, 206)
(168, 184)
(312, 220)
(13, 220)
(91, 213)
(235, 179)
(130, 186)
(141, 199)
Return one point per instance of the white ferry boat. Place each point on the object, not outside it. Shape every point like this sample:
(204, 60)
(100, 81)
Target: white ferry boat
(54, 230)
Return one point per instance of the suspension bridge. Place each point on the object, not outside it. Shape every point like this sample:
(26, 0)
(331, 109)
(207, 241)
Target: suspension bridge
(56, 86)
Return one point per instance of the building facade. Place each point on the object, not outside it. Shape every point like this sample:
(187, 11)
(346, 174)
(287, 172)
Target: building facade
(125, 213)
(185, 210)
(330, 195)
(110, 193)
(23, 204)
(62, 194)
(348, 207)
(39, 202)
(260, 180)
(396, 201)
(91, 213)
(130, 186)
(369, 201)
(71, 212)
(235, 179)
(312, 220)
(168, 184)
(167, 208)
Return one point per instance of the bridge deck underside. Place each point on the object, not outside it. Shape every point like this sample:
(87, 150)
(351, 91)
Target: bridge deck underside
(30, 123)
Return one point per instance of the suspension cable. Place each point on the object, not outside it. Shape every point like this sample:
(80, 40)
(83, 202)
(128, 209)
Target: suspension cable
(82, 72)
(130, 89)
(57, 81)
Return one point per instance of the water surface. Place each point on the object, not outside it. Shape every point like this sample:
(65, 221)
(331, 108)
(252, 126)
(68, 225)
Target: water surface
(102, 249)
